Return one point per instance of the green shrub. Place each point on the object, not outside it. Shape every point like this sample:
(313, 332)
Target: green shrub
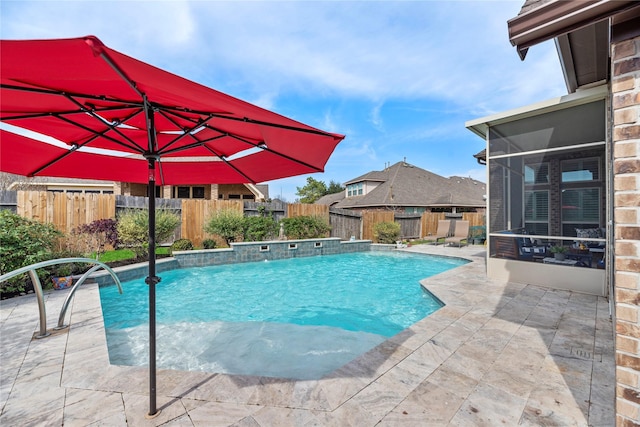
(386, 232)
(305, 227)
(209, 244)
(182, 245)
(260, 228)
(23, 242)
(226, 223)
(133, 229)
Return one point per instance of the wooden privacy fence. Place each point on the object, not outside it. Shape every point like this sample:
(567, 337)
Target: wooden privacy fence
(370, 219)
(345, 223)
(303, 209)
(69, 210)
(195, 213)
(65, 211)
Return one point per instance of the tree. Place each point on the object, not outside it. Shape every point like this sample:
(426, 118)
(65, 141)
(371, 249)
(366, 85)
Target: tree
(334, 187)
(312, 191)
(315, 189)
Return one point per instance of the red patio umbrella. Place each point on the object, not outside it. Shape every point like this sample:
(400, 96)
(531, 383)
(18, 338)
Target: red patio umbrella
(112, 117)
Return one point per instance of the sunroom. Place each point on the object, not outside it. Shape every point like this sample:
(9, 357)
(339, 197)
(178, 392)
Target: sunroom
(548, 168)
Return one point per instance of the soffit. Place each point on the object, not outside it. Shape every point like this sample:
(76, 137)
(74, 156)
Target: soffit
(481, 126)
(581, 30)
(541, 21)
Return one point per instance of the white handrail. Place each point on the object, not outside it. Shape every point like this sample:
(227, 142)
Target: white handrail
(37, 286)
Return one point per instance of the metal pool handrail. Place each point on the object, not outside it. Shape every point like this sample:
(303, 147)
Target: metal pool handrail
(37, 286)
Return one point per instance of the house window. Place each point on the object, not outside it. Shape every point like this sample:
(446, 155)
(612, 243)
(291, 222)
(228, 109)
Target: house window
(536, 173)
(188, 192)
(581, 170)
(181, 192)
(248, 197)
(536, 212)
(355, 189)
(234, 196)
(580, 209)
(197, 192)
(158, 191)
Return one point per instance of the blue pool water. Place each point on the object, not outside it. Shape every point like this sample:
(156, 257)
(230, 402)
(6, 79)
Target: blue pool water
(297, 318)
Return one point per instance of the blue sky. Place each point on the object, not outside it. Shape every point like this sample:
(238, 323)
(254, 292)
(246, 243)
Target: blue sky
(399, 78)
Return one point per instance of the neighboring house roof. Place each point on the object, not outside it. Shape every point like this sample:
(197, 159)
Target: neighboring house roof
(406, 185)
(264, 189)
(481, 157)
(330, 199)
(581, 30)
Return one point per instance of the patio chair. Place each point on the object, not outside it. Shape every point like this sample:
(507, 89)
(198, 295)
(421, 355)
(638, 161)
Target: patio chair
(443, 230)
(460, 234)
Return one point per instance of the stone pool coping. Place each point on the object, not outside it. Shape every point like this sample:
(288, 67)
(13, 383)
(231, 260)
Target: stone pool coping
(497, 353)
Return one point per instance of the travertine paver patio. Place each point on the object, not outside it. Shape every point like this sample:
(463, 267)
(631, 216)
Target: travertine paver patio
(496, 354)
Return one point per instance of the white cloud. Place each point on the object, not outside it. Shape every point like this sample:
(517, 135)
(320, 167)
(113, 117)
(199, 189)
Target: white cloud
(373, 50)
(376, 119)
(399, 78)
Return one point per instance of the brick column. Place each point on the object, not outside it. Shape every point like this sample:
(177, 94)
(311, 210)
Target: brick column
(626, 168)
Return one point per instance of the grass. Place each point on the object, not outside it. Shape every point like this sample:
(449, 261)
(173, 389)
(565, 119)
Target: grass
(125, 254)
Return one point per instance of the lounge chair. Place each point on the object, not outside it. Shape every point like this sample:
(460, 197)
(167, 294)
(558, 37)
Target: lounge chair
(443, 230)
(460, 234)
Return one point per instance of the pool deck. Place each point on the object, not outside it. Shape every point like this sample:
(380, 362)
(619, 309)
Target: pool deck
(496, 354)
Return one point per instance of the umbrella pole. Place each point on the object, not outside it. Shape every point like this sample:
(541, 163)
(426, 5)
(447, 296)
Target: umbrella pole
(152, 280)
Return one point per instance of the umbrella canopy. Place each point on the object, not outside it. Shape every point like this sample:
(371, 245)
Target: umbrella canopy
(102, 104)
(76, 108)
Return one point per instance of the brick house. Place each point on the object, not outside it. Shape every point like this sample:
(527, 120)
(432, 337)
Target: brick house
(249, 192)
(563, 166)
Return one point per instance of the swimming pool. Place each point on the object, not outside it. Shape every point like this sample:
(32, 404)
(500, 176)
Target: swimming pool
(297, 318)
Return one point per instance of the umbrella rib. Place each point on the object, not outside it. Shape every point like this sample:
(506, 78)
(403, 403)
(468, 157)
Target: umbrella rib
(196, 125)
(277, 153)
(65, 113)
(122, 75)
(57, 159)
(65, 93)
(110, 126)
(198, 143)
(177, 112)
(211, 116)
(221, 157)
(174, 110)
(95, 134)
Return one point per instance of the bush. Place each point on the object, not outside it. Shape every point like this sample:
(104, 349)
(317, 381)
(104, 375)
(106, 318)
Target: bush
(209, 244)
(260, 228)
(305, 227)
(182, 245)
(386, 232)
(133, 229)
(226, 223)
(23, 242)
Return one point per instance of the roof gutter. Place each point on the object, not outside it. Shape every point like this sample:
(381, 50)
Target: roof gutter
(559, 17)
